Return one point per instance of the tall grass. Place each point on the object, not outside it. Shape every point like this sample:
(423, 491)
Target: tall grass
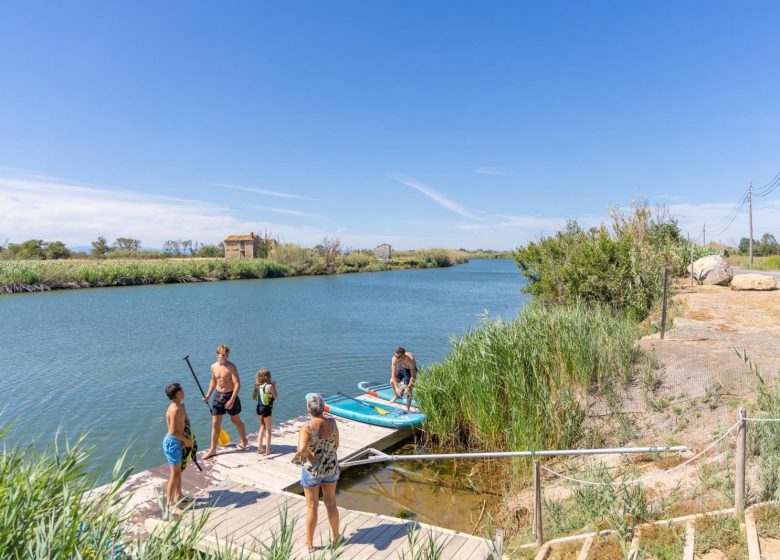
(771, 262)
(524, 384)
(15, 275)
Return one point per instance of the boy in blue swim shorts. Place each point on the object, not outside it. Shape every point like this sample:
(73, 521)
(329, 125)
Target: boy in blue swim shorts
(174, 443)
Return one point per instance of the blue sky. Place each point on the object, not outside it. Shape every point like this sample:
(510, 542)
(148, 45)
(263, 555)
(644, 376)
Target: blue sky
(453, 124)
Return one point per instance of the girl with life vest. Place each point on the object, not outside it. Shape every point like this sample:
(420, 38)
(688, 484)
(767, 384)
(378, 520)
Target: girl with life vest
(265, 394)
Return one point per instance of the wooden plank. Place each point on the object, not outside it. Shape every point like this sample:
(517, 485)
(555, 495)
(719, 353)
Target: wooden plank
(543, 552)
(383, 542)
(370, 533)
(585, 550)
(690, 532)
(754, 545)
(474, 548)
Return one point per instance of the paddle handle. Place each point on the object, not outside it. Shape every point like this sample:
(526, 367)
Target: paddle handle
(195, 377)
(365, 403)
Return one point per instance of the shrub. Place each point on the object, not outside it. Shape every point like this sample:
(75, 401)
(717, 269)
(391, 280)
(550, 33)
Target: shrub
(621, 266)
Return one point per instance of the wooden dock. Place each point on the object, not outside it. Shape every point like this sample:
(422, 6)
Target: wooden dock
(244, 493)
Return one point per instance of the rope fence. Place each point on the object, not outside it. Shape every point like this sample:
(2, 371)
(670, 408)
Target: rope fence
(649, 477)
(739, 491)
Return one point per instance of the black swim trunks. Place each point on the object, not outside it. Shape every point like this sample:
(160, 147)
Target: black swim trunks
(220, 400)
(265, 410)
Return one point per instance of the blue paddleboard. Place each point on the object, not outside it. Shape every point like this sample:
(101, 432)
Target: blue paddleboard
(382, 391)
(366, 411)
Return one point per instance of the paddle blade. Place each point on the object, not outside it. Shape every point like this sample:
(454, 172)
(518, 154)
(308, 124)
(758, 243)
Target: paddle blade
(224, 438)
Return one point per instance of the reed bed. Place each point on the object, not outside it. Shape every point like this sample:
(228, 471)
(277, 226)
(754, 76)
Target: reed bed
(42, 275)
(524, 384)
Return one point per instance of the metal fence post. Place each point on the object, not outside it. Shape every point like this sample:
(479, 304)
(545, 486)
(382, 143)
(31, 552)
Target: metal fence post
(663, 306)
(538, 505)
(739, 491)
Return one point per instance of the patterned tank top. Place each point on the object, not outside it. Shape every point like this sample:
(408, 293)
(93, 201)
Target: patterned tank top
(324, 449)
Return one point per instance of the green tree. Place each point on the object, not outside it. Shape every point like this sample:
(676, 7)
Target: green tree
(100, 247)
(214, 251)
(127, 244)
(768, 245)
(56, 250)
(30, 249)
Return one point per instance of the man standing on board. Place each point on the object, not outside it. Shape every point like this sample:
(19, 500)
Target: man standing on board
(403, 370)
(224, 378)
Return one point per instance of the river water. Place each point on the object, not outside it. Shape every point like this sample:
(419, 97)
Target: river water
(98, 360)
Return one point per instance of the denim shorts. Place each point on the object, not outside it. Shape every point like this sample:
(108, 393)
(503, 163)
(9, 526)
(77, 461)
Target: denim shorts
(173, 450)
(309, 481)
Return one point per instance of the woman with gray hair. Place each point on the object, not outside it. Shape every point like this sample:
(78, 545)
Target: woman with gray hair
(318, 441)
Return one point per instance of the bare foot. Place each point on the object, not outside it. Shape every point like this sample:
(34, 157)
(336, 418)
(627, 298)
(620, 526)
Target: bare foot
(243, 445)
(211, 453)
(175, 511)
(268, 450)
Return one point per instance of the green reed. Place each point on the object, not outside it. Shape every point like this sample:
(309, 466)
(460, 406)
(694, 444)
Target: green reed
(87, 273)
(524, 385)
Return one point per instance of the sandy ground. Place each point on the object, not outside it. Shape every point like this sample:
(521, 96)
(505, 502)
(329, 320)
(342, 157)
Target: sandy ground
(693, 396)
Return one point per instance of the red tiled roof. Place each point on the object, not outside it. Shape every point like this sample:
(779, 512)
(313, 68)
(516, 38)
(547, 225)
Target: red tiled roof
(245, 237)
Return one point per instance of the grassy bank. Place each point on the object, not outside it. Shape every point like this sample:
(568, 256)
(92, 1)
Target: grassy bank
(759, 263)
(16, 276)
(523, 385)
(285, 260)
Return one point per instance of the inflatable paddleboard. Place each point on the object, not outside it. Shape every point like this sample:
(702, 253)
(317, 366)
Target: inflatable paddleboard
(382, 391)
(366, 411)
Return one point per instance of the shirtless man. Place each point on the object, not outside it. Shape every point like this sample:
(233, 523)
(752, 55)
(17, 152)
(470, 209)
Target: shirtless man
(403, 370)
(224, 378)
(173, 445)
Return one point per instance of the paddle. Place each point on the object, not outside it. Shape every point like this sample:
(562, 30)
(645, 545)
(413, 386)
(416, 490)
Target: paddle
(224, 437)
(381, 411)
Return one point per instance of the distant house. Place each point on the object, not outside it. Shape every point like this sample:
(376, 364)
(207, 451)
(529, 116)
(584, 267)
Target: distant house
(383, 252)
(242, 246)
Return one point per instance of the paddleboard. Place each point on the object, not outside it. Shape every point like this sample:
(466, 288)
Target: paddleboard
(382, 391)
(346, 407)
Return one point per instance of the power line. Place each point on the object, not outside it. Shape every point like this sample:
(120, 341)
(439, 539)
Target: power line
(722, 226)
(769, 187)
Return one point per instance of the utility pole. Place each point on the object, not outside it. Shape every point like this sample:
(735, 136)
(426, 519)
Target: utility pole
(704, 234)
(750, 213)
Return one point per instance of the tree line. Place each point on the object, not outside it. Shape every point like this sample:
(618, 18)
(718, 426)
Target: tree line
(122, 247)
(763, 247)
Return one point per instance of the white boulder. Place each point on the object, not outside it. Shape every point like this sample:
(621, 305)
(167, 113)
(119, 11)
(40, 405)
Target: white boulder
(712, 270)
(753, 282)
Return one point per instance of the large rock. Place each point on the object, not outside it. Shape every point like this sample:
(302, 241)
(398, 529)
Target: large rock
(712, 270)
(753, 282)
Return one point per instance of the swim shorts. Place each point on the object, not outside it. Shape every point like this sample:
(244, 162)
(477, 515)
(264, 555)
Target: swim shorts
(265, 410)
(220, 400)
(172, 449)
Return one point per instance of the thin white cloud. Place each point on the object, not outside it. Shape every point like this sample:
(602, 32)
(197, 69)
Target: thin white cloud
(34, 208)
(261, 191)
(434, 195)
(529, 222)
(286, 212)
(473, 227)
(668, 197)
(488, 170)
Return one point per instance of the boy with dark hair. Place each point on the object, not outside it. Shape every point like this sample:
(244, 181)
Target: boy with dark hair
(174, 443)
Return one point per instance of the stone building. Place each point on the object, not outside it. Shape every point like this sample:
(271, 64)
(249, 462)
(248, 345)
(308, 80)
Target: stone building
(242, 246)
(383, 252)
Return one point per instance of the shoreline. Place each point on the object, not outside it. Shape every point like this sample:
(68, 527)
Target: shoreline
(68, 275)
